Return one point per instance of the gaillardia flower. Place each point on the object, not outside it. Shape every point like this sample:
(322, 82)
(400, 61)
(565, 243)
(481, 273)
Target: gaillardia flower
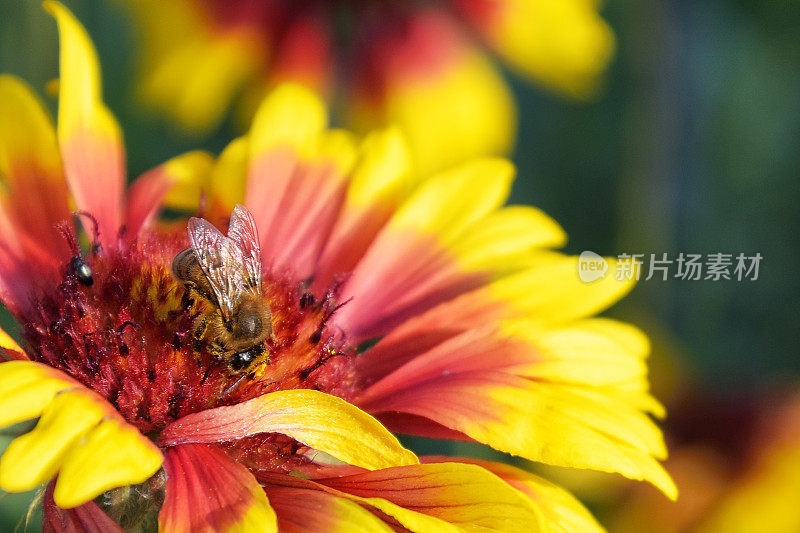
(392, 304)
(418, 65)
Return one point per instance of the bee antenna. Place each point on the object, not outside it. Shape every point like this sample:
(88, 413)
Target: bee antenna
(95, 229)
(69, 235)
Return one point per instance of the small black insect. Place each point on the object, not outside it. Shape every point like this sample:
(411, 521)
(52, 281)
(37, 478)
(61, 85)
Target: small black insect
(81, 271)
(77, 267)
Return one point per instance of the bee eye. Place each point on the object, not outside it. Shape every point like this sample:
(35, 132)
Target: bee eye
(242, 359)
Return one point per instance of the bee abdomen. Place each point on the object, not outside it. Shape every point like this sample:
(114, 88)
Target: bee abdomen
(183, 264)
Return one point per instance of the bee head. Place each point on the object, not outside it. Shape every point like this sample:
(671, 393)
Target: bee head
(240, 361)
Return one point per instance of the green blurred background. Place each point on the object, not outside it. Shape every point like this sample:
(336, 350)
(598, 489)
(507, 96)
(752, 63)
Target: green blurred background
(692, 147)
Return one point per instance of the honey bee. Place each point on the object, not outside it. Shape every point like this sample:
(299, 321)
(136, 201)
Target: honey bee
(226, 272)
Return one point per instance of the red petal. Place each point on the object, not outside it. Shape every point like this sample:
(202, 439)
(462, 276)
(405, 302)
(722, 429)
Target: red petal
(303, 53)
(422, 333)
(86, 518)
(401, 276)
(209, 491)
(144, 199)
(474, 351)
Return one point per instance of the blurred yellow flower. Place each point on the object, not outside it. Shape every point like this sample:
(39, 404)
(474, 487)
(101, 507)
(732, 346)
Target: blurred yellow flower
(736, 462)
(421, 66)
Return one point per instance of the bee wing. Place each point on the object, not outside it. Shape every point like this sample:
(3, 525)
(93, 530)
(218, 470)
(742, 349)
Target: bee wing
(221, 261)
(242, 230)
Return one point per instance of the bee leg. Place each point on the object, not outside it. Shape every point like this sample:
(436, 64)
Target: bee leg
(216, 350)
(186, 300)
(199, 333)
(235, 384)
(186, 303)
(264, 351)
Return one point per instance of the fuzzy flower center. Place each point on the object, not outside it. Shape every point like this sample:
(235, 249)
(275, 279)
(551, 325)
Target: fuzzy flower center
(131, 336)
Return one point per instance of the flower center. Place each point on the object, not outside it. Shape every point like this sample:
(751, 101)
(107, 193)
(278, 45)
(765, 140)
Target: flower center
(133, 337)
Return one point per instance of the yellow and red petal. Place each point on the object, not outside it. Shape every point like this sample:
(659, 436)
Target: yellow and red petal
(408, 268)
(552, 423)
(288, 124)
(89, 136)
(431, 497)
(35, 196)
(208, 491)
(381, 179)
(79, 436)
(532, 297)
(318, 420)
(423, 75)
(564, 44)
(296, 177)
(459, 494)
(561, 510)
(306, 510)
(594, 351)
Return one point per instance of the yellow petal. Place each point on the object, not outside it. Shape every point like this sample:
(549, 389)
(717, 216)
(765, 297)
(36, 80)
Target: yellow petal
(464, 111)
(196, 81)
(189, 174)
(89, 458)
(228, 176)
(291, 116)
(26, 388)
(563, 426)
(501, 237)
(451, 201)
(551, 291)
(764, 497)
(321, 421)
(562, 43)
(598, 352)
(7, 343)
(339, 147)
(113, 454)
(332, 425)
(383, 174)
(35, 457)
(191, 72)
(27, 135)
